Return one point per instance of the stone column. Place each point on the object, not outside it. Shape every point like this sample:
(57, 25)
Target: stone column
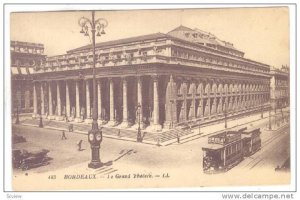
(139, 96)
(35, 104)
(155, 126)
(200, 108)
(42, 100)
(68, 109)
(50, 108)
(111, 103)
(207, 105)
(77, 119)
(192, 111)
(88, 102)
(125, 104)
(58, 117)
(170, 107)
(99, 93)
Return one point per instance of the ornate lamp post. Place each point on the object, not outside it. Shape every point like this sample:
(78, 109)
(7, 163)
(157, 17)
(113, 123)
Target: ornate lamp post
(225, 114)
(17, 117)
(270, 126)
(262, 110)
(139, 134)
(199, 126)
(172, 123)
(94, 135)
(40, 112)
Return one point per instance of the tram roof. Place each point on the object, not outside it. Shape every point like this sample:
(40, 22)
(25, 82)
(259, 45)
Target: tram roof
(212, 147)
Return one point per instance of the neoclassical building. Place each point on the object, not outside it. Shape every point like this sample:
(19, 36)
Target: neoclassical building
(184, 76)
(24, 57)
(279, 87)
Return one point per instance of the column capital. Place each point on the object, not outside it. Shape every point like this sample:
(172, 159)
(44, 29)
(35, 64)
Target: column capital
(180, 78)
(110, 78)
(155, 77)
(139, 78)
(124, 78)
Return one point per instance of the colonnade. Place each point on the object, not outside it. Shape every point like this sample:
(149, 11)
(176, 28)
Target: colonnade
(72, 100)
(189, 99)
(165, 100)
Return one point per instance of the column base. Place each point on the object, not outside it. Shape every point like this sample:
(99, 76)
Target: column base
(51, 117)
(136, 126)
(70, 119)
(34, 115)
(88, 120)
(155, 128)
(124, 124)
(111, 123)
(168, 125)
(100, 121)
(59, 118)
(44, 116)
(78, 120)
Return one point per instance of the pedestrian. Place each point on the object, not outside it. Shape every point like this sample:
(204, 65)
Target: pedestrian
(79, 145)
(66, 118)
(178, 138)
(71, 128)
(63, 135)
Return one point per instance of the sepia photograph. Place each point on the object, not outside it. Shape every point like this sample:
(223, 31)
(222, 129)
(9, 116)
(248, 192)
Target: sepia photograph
(149, 98)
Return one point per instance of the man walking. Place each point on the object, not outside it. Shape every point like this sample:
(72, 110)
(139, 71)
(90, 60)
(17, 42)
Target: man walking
(63, 135)
(79, 145)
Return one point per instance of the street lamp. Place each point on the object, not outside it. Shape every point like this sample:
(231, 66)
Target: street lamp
(199, 126)
(225, 113)
(17, 117)
(40, 112)
(139, 134)
(172, 123)
(95, 134)
(262, 110)
(270, 127)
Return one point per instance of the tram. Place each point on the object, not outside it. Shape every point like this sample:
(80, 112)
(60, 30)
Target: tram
(226, 149)
(251, 141)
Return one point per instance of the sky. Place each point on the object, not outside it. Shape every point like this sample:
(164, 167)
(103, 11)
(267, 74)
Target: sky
(262, 33)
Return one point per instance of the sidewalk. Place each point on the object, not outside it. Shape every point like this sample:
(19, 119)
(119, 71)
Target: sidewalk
(232, 124)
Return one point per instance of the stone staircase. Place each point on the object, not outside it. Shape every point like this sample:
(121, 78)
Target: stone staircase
(160, 138)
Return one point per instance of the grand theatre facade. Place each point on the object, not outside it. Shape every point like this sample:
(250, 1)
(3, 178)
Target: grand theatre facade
(185, 76)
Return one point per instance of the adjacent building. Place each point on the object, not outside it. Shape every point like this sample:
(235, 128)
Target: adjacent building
(25, 57)
(279, 86)
(184, 76)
